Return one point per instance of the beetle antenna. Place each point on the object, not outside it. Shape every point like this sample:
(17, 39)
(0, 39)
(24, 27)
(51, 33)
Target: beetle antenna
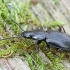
(10, 38)
(16, 23)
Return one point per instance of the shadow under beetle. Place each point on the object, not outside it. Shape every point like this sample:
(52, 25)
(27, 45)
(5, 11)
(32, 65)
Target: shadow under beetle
(53, 38)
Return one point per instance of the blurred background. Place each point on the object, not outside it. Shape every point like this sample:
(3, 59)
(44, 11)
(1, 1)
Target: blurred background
(17, 16)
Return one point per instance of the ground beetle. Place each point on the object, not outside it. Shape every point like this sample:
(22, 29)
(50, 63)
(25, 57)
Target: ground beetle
(53, 38)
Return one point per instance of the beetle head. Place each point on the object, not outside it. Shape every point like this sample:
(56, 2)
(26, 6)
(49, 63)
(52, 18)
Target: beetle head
(36, 34)
(27, 34)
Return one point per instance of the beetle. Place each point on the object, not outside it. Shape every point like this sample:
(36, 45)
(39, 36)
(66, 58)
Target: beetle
(53, 38)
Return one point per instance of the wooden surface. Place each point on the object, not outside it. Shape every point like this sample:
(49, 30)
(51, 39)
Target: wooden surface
(44, 10)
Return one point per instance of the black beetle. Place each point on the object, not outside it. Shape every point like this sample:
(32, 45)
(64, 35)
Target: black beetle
(57, 39)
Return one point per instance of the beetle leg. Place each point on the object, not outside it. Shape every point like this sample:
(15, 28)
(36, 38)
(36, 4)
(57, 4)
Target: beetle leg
(64, 30)
(59, 49)
(48, 46)
(48, 29)
(39, 28)
(60, 29)
(37, 42)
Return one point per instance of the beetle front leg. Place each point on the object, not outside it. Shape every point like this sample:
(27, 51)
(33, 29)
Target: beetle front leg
(37, 42)
(48, 46)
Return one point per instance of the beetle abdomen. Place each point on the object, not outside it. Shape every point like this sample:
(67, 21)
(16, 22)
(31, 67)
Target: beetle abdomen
(58, 40)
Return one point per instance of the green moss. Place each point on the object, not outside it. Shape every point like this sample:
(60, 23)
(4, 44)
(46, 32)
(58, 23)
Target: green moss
(56, 2)
(21, 13)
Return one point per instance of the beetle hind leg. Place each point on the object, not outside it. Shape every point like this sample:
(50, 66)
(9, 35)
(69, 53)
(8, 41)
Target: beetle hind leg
(61, 28)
